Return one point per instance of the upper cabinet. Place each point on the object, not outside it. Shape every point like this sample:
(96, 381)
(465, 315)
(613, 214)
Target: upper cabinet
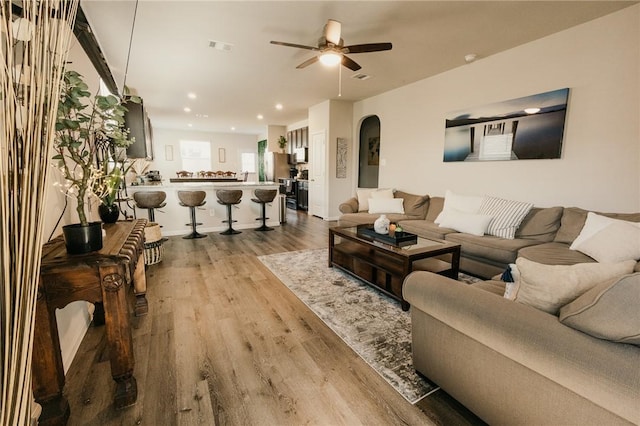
(298, 138)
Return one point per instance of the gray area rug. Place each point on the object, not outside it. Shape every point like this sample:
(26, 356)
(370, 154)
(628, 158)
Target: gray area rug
(371, 323)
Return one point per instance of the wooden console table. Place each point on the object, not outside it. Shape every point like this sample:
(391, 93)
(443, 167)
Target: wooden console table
(102, 278)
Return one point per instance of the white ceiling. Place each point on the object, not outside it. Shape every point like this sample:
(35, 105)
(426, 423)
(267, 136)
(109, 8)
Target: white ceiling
(169, 54)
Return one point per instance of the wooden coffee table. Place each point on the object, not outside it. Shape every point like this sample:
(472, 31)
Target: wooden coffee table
(385, 266)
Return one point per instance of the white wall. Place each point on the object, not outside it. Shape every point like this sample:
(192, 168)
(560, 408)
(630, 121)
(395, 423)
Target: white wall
(340, 127)
(600, 164)
(234, 145)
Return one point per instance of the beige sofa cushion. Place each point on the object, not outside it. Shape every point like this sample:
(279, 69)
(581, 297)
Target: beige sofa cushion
(573, 219)
(540, 224)
(610, 310)
(497, 249)
(425, 228)
(436, 204)
(554, 254)
(549, 287)
(415, 206)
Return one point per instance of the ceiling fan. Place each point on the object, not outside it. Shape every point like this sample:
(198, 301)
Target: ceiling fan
(332, 49)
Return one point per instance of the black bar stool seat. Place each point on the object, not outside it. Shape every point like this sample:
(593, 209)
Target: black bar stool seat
(264, 196)
(192, 199)
(150, 200)
(229, 197)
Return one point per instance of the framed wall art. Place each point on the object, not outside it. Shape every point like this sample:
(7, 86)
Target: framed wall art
(526, 128)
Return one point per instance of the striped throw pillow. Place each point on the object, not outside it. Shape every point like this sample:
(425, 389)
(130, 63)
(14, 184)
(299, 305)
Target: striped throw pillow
(507, 215)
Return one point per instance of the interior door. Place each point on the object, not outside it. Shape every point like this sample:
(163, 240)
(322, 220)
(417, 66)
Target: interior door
(317, 184)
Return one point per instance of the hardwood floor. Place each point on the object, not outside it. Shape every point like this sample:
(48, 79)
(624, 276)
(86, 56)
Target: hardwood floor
(226, 343)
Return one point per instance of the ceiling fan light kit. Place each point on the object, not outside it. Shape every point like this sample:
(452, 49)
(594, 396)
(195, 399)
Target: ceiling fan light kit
(332, 50)
(330, 59)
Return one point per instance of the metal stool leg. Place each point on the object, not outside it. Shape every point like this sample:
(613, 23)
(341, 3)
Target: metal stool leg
(194, 233)
(264, 226)
(230, 230)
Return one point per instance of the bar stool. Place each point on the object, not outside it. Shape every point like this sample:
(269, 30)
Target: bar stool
(150, 200)
(229, 197)
(192, 199)
(264, 196)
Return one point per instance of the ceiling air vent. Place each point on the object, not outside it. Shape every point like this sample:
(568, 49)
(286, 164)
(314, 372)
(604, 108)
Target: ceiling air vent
(361, 76)
(220, 45)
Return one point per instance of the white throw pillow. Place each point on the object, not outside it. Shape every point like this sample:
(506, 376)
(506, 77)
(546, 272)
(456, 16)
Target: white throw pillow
(599, 240)
(470, 223)
(549, 287)
(594, 224)
(459, 203)
(507, 215)
(386, 205)
(363, 195)
(616, 242)
(382, 193)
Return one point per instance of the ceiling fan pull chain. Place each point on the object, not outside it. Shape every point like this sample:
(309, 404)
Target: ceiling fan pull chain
(339, 81)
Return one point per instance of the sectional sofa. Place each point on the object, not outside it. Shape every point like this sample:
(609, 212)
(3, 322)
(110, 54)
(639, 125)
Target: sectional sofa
(544, 236)
(511, 362)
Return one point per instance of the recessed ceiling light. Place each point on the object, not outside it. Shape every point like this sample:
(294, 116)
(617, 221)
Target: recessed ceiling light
(233, 128)
(191, 95)
(186, 109)
(532, 110)
(260, 116)
(279, 107)
(189, 124)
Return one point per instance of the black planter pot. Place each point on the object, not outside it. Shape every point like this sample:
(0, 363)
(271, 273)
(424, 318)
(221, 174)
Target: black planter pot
(82, 239)
(109, 214)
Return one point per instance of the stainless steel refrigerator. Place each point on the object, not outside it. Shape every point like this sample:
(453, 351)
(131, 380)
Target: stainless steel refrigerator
(276, 166)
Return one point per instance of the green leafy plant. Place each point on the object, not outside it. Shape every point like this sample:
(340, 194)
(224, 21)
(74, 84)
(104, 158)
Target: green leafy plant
(282, 142)
(89, 142)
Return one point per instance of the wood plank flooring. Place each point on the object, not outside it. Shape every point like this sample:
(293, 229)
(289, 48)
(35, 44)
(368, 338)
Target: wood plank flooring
(225, 343)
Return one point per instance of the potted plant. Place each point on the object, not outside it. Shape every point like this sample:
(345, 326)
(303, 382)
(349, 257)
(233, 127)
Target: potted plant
(282, 143)
(108, 210)
(88, 129)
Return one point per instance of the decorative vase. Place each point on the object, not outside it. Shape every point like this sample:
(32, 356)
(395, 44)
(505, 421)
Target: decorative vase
(381, 225)
(109, 214)
(82, 239)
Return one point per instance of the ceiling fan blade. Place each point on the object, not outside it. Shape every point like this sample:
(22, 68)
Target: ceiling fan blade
(369, 47)
(308, 62)
(350, 63)
(332, 31)
(299, 46)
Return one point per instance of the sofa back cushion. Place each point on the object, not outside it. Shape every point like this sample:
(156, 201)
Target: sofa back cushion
(573, 219)
(436, 204)
(607, 311)
(415, 206)
(540, 224)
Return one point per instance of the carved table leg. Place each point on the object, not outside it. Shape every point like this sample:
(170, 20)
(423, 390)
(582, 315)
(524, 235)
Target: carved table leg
(46, 366)
(118, 335)
(140, 288)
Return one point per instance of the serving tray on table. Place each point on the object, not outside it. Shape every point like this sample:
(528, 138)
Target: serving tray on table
(399, 239)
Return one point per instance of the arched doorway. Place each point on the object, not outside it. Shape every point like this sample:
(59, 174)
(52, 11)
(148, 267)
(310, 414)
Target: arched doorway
(369, 157)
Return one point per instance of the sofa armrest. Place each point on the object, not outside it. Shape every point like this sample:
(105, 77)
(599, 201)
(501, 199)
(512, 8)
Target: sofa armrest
(602, 372)
(349, 206)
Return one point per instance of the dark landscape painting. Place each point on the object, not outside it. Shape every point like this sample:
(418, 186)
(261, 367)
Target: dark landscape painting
(526, 128)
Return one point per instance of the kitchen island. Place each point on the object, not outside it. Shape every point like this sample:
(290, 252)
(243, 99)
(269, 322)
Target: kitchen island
(175, 219)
